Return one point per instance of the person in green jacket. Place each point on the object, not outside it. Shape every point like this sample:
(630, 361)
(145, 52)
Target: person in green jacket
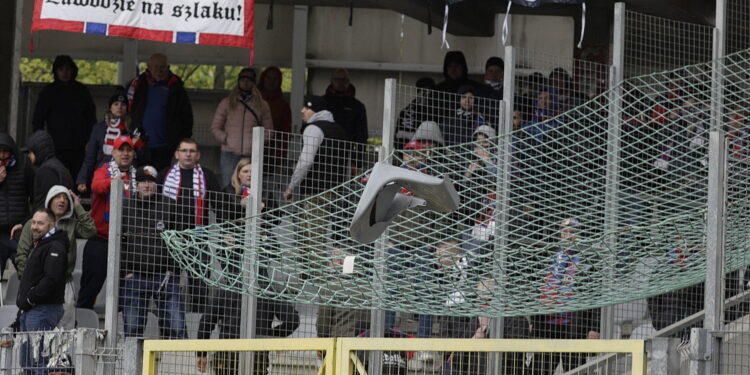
(77, 223)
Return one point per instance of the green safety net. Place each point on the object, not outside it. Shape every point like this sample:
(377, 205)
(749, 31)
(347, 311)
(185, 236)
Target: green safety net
(559, 215)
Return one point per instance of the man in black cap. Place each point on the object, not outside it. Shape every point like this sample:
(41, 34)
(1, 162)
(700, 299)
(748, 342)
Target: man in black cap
(150, 272)
(322, 165)
(66, 110)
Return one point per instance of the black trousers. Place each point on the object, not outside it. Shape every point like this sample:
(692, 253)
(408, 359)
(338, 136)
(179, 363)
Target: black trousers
(94, 272)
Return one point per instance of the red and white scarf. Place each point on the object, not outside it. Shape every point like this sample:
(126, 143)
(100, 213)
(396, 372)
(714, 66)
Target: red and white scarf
(115, 128)
(113, 170)
(173, 182)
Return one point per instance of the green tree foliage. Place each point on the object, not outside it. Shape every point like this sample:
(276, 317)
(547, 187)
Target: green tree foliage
(93, 72)
(90, 72)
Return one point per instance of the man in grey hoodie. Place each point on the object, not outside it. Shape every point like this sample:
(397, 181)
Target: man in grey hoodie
(77, 223)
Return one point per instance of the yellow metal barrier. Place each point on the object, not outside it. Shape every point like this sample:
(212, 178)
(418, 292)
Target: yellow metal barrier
(341, 359)
(345, 347)
(152, 347)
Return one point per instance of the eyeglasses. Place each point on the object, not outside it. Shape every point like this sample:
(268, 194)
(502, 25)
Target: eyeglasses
(247, 78)
(188, 151)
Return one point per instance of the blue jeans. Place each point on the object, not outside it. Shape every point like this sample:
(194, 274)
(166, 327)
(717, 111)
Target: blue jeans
(39, 318)
(135, 293)
(398, 266)
(227, 162)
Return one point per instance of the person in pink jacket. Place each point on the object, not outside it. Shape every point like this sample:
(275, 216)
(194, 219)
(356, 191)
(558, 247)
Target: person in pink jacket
(234, 120)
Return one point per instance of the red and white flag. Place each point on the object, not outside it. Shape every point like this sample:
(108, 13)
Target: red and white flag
(214, 22)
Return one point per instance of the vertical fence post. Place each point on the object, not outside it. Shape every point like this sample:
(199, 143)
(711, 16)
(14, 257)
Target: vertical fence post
(717, 188)
(249, 257)
(502, 189)
(299, 60)
(113, 267)
(612, 194)
(377, 316)
(715, 230)
(389, 118)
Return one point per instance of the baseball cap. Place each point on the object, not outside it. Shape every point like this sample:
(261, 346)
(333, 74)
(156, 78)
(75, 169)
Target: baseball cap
(123, 140)
(316, 103)
(414, 145)
(146, 173)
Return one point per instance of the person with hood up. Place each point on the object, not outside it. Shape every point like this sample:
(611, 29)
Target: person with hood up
(492, 85)
(103, 135)
(322, 164)
(72, 218)
(42, 289)
(234, 120)
(456, 73)
(159, 104)
(16, 182)
(66, 110)
(50, 171)
(348, 112)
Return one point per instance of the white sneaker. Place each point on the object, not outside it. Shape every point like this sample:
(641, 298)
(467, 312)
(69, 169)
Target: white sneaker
(414, 364)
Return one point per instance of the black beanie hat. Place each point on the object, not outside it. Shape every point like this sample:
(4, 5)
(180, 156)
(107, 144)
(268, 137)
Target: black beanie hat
(118, 96)
(495, 61)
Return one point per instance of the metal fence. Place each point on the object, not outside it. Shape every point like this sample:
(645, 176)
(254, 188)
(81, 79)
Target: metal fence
(655, 44)
(79, 350)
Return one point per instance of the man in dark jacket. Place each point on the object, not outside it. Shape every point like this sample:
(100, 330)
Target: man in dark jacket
(150, 272)
(67, 111)
(456, 73)
(50, 170)
(160, 105)
(16, 182)
(42, 290)
(348, 112)
(322, 165)
(192, 189)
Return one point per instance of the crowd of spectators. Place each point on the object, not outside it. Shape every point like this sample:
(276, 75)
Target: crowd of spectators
(145, 141)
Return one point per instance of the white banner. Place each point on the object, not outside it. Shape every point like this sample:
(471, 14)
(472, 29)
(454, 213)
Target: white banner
(193, 16)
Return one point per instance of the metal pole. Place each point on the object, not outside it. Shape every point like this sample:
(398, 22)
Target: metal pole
(377, 316)
(113, 266)
(128, 67)
(715, 230)
(250, 257)
(15, 70)
(389, 118)
(299, 55)
(612, 194)
(503, 187)
(717, 185)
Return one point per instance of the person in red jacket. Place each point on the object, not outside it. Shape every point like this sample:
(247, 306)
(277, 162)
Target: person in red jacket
(95, 252)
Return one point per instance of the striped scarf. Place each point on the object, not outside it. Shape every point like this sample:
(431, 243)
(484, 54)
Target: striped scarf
(113, 170)
(173, 182)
